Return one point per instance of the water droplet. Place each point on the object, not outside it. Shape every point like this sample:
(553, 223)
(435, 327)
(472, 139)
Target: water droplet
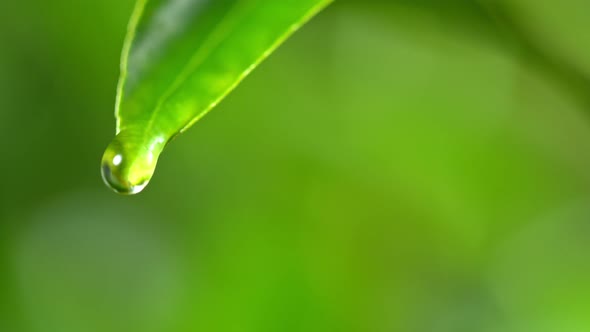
(129, 162)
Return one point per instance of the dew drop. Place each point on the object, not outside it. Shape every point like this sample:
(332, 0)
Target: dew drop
(129, 162)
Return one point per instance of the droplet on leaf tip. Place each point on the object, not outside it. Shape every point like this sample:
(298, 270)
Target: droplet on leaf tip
(128, 164)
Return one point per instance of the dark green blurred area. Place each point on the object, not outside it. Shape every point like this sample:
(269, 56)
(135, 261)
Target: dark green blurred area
(395, 166)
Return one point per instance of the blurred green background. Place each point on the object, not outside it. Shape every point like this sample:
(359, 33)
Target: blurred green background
(396, 166)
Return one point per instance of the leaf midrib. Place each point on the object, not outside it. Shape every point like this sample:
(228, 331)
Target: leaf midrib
(238, 10)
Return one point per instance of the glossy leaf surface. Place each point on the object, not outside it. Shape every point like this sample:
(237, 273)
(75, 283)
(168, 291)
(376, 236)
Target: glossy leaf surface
(181, 58)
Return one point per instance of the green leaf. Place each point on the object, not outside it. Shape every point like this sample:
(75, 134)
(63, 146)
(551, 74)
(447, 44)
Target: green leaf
(180, 59)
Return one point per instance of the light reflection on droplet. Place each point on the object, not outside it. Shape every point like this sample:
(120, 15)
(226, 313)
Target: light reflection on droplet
(117, 160)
